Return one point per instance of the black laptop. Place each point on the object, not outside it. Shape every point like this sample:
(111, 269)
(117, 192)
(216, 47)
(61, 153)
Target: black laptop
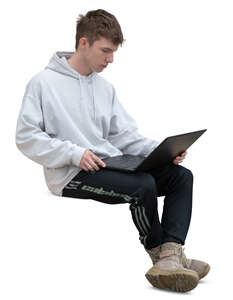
(163, 154)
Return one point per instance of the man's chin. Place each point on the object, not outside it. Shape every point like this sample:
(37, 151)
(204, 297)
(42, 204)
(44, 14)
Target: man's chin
(99, 69)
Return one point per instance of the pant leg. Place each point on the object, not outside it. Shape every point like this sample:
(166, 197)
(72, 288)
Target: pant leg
(175, 182)
(140, 190)
(114, 187)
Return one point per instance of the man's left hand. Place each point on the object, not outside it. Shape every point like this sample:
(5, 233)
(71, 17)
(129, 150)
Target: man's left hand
(180, 158)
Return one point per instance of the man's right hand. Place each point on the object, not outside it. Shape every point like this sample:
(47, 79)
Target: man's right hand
(89, 160)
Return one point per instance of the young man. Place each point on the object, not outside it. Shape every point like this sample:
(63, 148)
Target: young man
(71, 119)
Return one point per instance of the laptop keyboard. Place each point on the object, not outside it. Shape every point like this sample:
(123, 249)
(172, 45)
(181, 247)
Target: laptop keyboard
(125, 161)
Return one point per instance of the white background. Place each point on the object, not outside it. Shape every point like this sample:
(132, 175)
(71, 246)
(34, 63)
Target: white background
(173, 75)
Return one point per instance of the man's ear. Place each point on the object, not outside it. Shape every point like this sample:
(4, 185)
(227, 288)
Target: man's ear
(83, 42)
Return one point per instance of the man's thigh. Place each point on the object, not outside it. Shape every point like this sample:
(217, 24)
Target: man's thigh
(108, 186)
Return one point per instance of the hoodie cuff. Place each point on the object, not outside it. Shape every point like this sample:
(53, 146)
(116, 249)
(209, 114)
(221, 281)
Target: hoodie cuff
(77, 155)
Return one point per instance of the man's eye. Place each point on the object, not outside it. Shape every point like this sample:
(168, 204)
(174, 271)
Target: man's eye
(105, 51)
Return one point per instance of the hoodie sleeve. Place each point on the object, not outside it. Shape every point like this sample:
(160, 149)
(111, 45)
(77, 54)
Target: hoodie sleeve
(34, 142)
(123, 133)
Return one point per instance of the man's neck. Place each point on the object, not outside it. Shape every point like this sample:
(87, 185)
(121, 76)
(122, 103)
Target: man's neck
(76, 62)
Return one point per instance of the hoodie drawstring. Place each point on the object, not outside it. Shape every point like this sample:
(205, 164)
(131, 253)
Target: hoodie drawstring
(93, 97)
(80, 82)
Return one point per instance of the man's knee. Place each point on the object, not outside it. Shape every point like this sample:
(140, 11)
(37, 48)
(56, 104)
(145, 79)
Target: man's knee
(144, 185)
(184, 173)
(148, 183)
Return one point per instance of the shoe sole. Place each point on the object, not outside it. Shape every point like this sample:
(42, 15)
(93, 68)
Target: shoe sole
(178, 281)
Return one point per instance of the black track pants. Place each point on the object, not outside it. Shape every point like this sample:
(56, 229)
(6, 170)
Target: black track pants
(141, 190)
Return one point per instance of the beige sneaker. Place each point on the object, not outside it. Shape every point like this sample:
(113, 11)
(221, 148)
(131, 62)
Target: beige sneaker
(169, 273)
(202, 268)
(154, 253)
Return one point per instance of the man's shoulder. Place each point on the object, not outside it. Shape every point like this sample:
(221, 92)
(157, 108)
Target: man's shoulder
(37, 78)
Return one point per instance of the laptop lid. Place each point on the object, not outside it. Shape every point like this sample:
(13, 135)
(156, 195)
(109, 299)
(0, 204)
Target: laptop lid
(164, 153)
(168, 149)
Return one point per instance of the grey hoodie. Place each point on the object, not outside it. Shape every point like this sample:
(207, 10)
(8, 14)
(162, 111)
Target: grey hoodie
(64, 113)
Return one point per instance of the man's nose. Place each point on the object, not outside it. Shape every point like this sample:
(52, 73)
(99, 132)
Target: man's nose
(110, 58)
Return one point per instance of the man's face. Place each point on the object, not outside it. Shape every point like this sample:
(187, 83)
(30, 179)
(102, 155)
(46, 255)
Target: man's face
(99, 55)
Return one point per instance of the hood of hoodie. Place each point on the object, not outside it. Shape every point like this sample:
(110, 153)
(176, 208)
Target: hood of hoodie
(59, 63)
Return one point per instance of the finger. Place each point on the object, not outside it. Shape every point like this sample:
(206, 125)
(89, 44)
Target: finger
(178, 161)
(94, 166)
(178, 157)
(91, 165)
(103, 164)
(181, 157)
(88, 166)
(99, 161)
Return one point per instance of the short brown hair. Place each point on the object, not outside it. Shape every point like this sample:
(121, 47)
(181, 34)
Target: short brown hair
(97, 24)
